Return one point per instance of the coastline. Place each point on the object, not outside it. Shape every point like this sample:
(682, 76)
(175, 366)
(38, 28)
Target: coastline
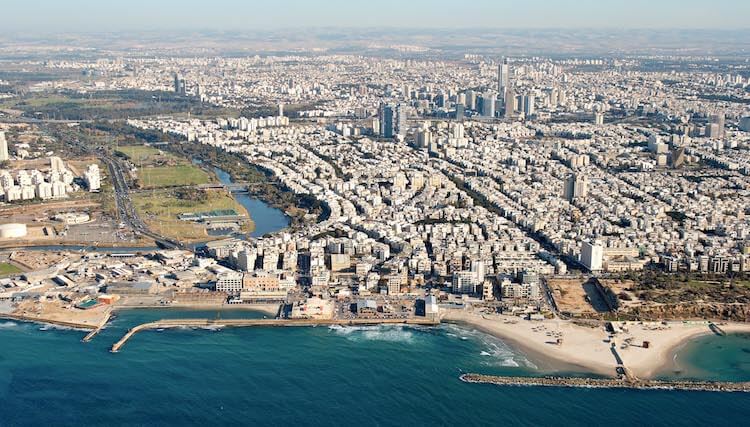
(589, 349)
(583, 350)
(667, 367)
(67, 324)
(518, 335)
(268, 309)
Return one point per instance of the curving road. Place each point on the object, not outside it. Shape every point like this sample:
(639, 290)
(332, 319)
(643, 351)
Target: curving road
(125, 209)
(126, 212)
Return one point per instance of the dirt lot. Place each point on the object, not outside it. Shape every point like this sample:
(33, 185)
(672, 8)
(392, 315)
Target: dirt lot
(59, 311)
(624, 290)
(577, 296)
(46, 208)
(36, 260)
(569, 295)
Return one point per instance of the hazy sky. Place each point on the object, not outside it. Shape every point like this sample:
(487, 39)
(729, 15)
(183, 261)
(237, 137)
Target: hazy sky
(30, 16)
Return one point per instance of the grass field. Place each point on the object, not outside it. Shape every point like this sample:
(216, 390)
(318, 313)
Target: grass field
(103, 104)
(139, 153)
(170, 176)
(158, 169)
(43, 101)
(37, 101)
(6, 269)
(160, 209)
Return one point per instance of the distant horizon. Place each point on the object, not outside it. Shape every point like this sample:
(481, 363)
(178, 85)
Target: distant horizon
(89, 16)
(377, 28)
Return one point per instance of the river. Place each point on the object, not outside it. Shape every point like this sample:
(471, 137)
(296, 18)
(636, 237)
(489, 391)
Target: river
(267, 219)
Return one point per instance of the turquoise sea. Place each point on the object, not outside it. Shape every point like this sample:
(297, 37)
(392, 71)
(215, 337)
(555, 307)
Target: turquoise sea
(323, 376)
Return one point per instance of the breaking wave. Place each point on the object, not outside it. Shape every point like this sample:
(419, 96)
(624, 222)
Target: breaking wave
(8, 325)
(52, 326)
(495, 352)
(391, 333)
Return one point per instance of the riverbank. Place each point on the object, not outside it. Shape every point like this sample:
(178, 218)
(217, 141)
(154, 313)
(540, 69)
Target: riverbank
(265, 186)
(264, 218)
(590, 348)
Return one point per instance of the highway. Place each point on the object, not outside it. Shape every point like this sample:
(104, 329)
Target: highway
(125, 210)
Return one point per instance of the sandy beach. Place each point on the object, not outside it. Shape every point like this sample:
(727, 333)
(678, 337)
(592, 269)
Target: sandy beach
(590, 348)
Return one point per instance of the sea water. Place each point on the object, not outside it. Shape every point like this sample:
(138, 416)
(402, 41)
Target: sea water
(713, 358)
(321, 376)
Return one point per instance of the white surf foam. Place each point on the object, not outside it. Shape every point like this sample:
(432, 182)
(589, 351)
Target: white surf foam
(391, 333)
(495, 351)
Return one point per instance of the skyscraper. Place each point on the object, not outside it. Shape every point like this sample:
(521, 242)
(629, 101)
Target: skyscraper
(440, 100)
(510, 102)
(488, 104)
(401, 120)
(598, 118)
(179, 84)
(424, 138)
(528, 105)
(459, 111)
(502, 76)
(385, 117)
(718, 130)
(471, 100)
(3, 148)
(199, 92)
(592, 255)
(56, 164)
(576, 187)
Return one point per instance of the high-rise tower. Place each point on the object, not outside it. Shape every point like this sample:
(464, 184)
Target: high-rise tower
(502, 76)
(3, 148)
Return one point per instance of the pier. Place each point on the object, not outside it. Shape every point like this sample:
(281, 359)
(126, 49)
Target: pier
(716, 329)
(94, 332)
(582, 382)
(204, 323)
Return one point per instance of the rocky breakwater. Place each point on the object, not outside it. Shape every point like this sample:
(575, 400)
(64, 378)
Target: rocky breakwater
(582, 382)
